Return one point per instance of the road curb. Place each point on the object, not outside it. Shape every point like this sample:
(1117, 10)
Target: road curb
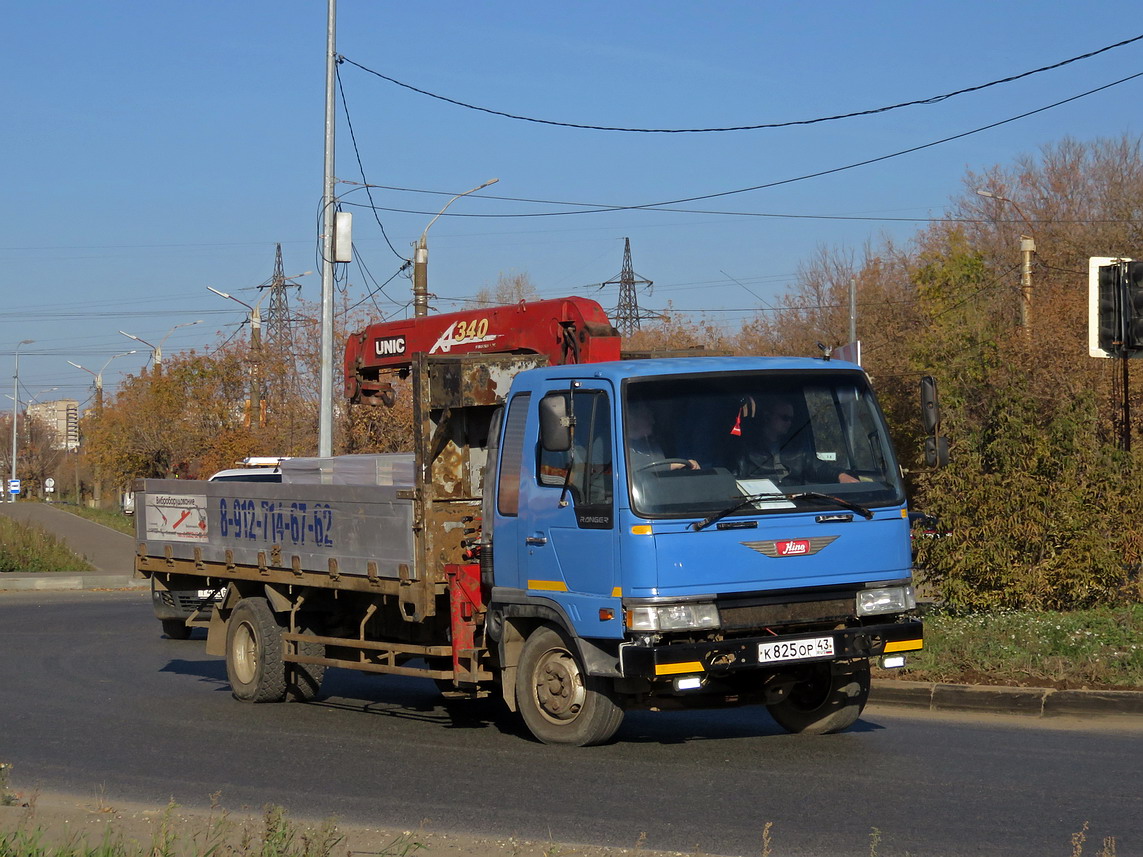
(1020, 701)
(64, 580)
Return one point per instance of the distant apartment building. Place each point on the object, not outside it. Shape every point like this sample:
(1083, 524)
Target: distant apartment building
(62, 417)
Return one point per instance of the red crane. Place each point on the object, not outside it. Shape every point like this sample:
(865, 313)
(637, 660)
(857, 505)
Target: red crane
(566, 330)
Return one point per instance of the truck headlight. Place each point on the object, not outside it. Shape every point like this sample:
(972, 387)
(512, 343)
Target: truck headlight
(672, 617)
(889, 599)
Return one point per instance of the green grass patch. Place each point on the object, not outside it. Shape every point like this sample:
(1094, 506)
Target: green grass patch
(114, 519)
(1097, 648)
(26, 547)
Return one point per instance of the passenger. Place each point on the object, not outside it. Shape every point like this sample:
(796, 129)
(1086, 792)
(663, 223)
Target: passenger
(772, 449)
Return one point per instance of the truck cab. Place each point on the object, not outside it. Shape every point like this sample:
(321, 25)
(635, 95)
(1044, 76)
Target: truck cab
(699, 531)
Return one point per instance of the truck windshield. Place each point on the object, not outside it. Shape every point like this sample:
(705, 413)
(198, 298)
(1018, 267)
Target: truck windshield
(696, 444)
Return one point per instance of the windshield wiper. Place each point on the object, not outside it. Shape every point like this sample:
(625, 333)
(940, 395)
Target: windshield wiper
(777, 495)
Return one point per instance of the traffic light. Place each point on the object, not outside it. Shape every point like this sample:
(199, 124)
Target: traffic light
(1110, 319)
(1107, 299)
(1133, 307)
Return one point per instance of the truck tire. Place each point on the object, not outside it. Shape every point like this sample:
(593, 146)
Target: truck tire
(559, 702)
(176, 629)
(303, 681)
(824, 702)
(254, 662)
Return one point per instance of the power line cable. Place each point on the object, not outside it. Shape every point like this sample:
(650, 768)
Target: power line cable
(360, 166)
(936, 99)
(591, 208)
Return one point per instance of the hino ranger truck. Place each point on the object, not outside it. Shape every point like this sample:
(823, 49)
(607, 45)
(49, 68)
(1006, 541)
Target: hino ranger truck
(573, 533)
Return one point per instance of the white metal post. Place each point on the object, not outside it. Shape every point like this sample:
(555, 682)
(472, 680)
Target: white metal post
(325, 407)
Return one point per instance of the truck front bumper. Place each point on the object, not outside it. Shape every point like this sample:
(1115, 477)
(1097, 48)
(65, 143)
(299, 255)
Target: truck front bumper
(729, 656)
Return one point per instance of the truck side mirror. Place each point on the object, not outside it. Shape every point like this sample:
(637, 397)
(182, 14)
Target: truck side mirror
(930, 407)
(936, 446)
(555, 424)
(936, 451)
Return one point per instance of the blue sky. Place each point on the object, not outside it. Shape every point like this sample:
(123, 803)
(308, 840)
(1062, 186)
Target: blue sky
(154, 149)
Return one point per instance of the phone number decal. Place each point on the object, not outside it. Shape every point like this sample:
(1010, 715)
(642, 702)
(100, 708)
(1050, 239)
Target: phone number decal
(263, 520)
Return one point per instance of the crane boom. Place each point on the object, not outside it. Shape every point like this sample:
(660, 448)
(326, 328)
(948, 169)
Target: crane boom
(565, 330)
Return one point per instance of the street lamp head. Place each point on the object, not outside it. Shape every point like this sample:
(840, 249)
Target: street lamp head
(424, 234)
(986, 193)
(217, 292)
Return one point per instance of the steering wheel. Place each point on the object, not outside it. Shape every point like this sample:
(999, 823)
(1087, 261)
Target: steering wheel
(664, 463)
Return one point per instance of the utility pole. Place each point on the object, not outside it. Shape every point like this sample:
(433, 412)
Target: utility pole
(853, 309)
(255, 353)
(1027, 249)
(325, 406)
(16, 409)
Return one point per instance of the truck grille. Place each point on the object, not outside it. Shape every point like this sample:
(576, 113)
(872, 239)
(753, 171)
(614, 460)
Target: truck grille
(743, 617)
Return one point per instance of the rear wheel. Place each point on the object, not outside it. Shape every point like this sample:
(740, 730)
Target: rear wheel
(254, 662)
(303, 681)
(176, 629)
(559, 701)
(824, 702)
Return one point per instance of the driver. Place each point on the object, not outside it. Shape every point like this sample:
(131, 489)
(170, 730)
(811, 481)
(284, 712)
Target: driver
(771, 450)
(643, 447)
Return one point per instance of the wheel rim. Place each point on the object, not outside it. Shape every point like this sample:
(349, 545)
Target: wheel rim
(245, 653)
(812, 694)
(558, 686)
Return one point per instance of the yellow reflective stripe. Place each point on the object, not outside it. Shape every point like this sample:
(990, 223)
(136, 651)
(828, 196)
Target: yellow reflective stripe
(904, 646)
(617, 592)
(548, 585)
(676, 669)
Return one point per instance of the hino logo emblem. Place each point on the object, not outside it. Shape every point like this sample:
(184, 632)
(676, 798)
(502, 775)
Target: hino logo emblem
(792, 547)
(779, 548)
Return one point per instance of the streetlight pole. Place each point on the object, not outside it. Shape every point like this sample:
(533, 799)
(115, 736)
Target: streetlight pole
(97, 487)
(421, 257)
(255, 351)
(16, 409)
(1027, 248)
(99, 377)
(329, 217)
(157, 350)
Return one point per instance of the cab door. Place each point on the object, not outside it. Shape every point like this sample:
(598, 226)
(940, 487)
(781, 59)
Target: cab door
(567, 503)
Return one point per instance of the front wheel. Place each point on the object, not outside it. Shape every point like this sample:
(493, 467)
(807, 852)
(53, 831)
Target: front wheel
(176, 629)
(254, 662)
(559, 702)
(824, 702)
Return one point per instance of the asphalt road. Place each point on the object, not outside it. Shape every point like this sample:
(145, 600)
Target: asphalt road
(93, 700)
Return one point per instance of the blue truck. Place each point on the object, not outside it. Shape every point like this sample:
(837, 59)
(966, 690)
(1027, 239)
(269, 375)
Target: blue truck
(577, 536)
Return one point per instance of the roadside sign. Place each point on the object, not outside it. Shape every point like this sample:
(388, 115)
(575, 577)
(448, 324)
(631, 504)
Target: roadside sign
(50, 485)
(13, 486)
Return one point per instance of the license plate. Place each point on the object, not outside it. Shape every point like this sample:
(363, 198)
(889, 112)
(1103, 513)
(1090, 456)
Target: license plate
(795, 650)
(211, 594)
